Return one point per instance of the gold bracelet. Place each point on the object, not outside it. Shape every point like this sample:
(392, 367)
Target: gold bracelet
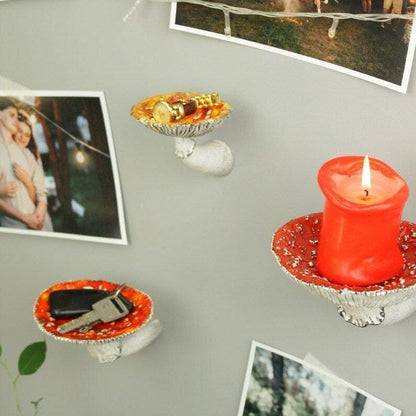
(207, 100)
(166, 112)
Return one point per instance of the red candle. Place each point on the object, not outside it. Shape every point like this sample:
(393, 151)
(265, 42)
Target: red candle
(358, 244)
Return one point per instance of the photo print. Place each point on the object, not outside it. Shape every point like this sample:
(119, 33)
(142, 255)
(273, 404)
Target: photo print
(279, 384)
(360, 45)
(58, 171)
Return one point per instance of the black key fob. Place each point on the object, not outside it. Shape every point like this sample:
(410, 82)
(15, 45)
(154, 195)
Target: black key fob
(72, 303)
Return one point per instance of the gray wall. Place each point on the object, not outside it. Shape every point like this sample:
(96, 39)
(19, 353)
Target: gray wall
(199, 245)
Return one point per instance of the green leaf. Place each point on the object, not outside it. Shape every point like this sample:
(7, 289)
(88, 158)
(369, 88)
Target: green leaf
(36, 402)
(1, 350)
(31, 358)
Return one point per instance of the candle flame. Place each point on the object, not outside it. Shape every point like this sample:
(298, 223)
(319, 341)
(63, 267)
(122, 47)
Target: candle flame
(366, 176)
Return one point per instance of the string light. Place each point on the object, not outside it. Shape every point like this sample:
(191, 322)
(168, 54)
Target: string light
(75, 139)
(80, 157)
(33, 119)
(132, 9)
(227, 9)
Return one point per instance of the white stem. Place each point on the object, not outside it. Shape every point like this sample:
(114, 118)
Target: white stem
(184, 147)
(213, 157)
(107, 353)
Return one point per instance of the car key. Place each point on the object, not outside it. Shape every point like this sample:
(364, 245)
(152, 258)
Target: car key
(108, 309)
(71, 303)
